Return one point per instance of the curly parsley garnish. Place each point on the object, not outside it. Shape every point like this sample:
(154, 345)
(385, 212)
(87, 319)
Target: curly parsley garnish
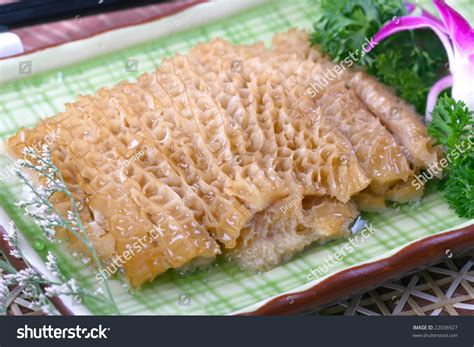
(410, 62)
(453, 128)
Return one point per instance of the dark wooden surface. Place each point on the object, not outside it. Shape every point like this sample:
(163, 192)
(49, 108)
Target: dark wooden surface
(26, 13)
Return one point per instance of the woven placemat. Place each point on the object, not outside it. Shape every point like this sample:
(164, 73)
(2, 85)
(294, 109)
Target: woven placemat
(444, 288)
(17, 302)
(441, 289)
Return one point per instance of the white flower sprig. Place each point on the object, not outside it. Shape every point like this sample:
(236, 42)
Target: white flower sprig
(32, 282)
(64, 286)
(11, 236)
(3, 294)
(49, 218)
(37, 205)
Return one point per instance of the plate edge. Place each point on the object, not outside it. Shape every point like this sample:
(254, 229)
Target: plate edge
(433, 247)
(368, 275)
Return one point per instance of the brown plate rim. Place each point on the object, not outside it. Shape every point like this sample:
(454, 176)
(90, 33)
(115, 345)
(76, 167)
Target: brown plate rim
(350, 281)
(341, 284)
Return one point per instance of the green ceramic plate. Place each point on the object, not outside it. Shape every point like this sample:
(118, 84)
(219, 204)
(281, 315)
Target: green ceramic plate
(224, 288)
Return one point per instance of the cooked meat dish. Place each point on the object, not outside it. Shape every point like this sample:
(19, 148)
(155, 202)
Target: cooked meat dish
(239, 156)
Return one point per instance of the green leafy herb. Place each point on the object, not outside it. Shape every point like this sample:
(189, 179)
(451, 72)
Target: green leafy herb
(343, 26)
(410, 62)
(451, 122)
(409, 65)
(453, 127)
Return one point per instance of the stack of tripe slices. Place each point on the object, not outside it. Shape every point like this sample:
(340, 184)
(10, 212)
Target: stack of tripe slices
(239, 155)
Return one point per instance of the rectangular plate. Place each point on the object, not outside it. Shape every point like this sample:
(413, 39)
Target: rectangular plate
(404, 238)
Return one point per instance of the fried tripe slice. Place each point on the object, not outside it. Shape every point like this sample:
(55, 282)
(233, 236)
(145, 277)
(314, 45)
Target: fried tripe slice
(253, 185)
(169, 145)
(276, 234)
(284, 228)
(376, 149)
(399, 117)
(118, 204)
(314, 157)
(382, 155)
(104, 243)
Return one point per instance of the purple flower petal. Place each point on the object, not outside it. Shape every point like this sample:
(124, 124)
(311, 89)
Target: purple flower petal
(427, 14)
(410, 7)
(413, 22)
(437, 88)
(459, 29)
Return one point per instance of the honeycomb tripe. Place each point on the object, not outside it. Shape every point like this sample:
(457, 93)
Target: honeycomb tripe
(224, 151)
